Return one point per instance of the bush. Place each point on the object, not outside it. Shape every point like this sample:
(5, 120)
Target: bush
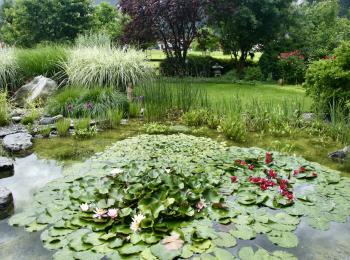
(196, 66)
(328, 81)
(292, 68)
(62, 126)
(253, 74)
(234, 128)
(4, 109)
(106, 67)
(42, 60)
(77, 101)
(156, 128)
(8, 69)
(196, 117)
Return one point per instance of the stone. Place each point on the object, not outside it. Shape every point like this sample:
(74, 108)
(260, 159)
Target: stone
(6, 167)
(39, 88)
(16, 119)
(50, 120)
(6, 203)
(308, 117)
(17, 142)
(12, 129)
(340, 155)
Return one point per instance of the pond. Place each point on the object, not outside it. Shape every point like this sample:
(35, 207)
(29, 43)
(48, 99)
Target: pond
(32, 173)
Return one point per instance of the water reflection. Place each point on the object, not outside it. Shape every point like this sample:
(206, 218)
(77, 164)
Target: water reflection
(30, 174)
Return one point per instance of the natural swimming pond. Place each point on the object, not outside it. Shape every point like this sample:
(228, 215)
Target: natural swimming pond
(157, 155)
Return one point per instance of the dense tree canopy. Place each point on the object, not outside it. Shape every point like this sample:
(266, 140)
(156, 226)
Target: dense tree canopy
(245, 24)
(172, 22)
(28, 22)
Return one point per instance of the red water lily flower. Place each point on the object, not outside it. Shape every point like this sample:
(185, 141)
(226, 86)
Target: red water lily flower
(233, 179)
(302, 169)
(283, 184)
(263, 186)
(290, 196)
(251, 167)
(268, 158)
(296, 172)
(314, 174)
(272, 174)
(241, 162)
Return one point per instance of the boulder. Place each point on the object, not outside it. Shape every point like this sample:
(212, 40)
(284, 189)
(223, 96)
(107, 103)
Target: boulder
(16, 119)
(308, 117)
(340, 155)
(18, 142)
(6, 203)
(50, 120)
(39, 88)
(12, 129)
(6, 167)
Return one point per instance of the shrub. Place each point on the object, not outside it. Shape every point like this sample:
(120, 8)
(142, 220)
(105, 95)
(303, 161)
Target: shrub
(77, 101)
(233, 127)
(106, 66)
(328, 80)
(42, 60)
(8, 69)
(4, 109)
(196, 66)
(62, 126)
(253, 74)
(196, 117)
(156, 128)
(291, 67)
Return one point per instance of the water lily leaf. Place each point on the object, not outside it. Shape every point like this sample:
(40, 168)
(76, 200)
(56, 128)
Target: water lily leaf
(201, 247)
(130, 249)
(225, 240)
(283, 239)
(35, 227)
(319, 223)
(147, 255)
(93, 239)
(87, 255)
(117, 242)
(223, 254)
(22, 219)
(63, 254)
(161, 252)
(186, 251)
(108, 236)
(246, 253)
(79, 245)
(243, 232)
(284, 255)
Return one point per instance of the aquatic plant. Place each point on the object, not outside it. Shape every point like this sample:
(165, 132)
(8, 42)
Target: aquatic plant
(156, 128)
(62, 126)
(168, 197)
(112, 118)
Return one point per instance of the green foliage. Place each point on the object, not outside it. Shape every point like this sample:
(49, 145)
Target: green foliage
(328, 80)
(29, 22)
(77, 101)
(112, 118)
(62, 126)
(253, 74)
(196, 117)
(292, 70)
(4, 109)
(134, 109)
(91, 40)
(41, 60)
(83, 129)
(233, 127)
(195, 66)
(156, 128)
(45, 131)
(8, 69)
(106, 66)
(31, 116)
(108, 19)
(180, 196)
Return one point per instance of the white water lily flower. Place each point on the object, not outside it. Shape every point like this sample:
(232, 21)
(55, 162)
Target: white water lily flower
(117, 171)
(136, 222)
(99, 213)
(172, 242)
(84, 207)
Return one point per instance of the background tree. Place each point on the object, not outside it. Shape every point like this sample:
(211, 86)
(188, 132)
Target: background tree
(206, 40)
(245, 24)
(109, 19)
(174, 23)
(28, 22)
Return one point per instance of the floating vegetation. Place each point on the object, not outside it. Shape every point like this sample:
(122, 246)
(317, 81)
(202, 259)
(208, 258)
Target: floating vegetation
(179, 196)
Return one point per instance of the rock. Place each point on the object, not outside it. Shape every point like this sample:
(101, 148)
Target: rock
(124, 122)
(16, 119)
(39, 88)
(340, 155)
(50, 120)
(18, 142)
(6, 167)
(12, 129)
(6, 203)
(308, 117)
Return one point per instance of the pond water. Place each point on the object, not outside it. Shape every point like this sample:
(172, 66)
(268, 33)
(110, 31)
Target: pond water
(31, 173)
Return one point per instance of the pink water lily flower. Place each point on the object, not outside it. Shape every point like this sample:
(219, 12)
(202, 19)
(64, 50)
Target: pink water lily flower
(200, 205)
(112, 213)
(100, 213)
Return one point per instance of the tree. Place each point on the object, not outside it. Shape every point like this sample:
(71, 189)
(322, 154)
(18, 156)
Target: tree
(245, 24)
(206, 40)
(29, 22)
(109, 19)
(174, 23)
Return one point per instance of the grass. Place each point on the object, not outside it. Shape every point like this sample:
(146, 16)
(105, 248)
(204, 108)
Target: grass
(8, 69)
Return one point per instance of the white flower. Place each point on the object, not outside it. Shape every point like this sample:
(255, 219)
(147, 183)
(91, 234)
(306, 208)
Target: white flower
(117, 171)
(100, 213)
(84, 207)
(136, 222)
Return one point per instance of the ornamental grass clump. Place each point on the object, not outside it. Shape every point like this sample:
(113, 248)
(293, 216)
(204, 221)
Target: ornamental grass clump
(62, 126)
(8, 69)
(4, 109)
(106, 66)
